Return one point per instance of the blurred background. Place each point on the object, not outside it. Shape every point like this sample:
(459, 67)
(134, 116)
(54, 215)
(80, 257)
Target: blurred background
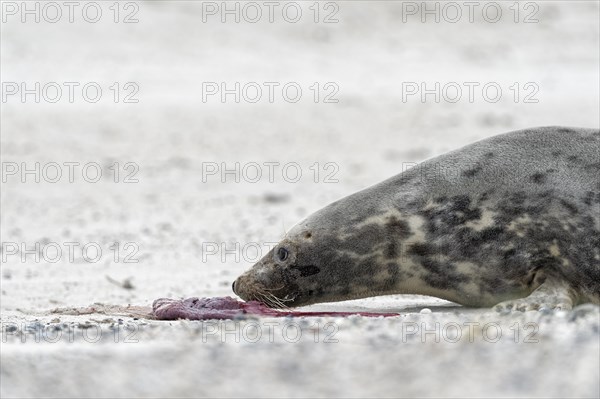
(200, 115)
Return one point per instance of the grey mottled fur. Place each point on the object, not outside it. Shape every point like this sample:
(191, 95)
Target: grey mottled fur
(511, 218)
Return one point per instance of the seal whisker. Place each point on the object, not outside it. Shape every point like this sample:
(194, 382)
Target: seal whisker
(262, 297)
(275, 289)
(275, 301)
(279, 302)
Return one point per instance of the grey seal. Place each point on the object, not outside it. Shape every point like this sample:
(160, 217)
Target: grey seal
(512, 220)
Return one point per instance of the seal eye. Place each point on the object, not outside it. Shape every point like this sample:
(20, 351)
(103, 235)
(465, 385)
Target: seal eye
(282, 254)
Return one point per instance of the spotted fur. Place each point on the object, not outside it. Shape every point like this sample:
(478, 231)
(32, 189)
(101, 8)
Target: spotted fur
(499, 220)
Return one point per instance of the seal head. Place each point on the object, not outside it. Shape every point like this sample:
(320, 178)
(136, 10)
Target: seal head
(333, 255)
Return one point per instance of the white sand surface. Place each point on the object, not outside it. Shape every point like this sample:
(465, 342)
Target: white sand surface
(174, 216)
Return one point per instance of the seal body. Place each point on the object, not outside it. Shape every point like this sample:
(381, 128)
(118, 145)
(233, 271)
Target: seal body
(514, 218)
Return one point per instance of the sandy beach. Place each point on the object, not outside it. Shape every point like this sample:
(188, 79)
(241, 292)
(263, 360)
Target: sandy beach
(171, 146)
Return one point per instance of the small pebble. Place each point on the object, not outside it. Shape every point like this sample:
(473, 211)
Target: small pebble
(425, 311)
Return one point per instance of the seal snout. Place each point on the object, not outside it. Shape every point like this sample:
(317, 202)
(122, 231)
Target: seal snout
(268, 287)
(242, 287)
(238, 288)
(245, 286)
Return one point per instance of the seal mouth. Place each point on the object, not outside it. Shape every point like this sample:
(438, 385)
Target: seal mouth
(280, 297)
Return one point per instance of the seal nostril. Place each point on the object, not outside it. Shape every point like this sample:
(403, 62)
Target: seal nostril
(233, 287)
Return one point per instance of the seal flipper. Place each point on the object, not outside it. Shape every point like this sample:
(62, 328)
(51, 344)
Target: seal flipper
(552, 294)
